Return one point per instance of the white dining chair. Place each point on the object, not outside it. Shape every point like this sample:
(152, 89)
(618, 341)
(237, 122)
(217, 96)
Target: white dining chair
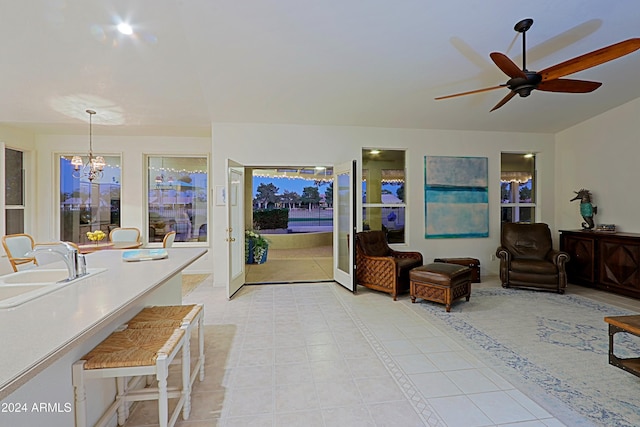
(16, 246)
(124, 234)
(168, 239)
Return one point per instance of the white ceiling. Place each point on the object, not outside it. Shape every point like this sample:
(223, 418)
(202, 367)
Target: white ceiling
(320, 62)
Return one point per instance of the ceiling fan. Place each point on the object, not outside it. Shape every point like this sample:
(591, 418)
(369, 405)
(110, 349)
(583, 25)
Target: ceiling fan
(522, 81)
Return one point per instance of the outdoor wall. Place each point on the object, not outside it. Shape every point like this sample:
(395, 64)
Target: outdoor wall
(300, 240)
(601, 155)
(297, 145)
(133, 196)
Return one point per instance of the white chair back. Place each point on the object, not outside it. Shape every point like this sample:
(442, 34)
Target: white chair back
(168, 240)
(16, 246)
(123, 234)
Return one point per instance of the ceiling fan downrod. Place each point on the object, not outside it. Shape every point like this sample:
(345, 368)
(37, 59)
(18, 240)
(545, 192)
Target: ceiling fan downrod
(522, 27)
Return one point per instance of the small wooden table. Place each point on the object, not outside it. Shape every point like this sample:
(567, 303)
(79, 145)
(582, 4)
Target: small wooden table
(629, 324)
(92, 247)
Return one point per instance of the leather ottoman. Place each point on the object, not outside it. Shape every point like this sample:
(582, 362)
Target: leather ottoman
(440, 282)
(472, 263)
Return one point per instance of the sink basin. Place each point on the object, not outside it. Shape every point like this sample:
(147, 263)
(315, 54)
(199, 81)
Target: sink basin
(36, 276)
(22, 286)
(10, 291)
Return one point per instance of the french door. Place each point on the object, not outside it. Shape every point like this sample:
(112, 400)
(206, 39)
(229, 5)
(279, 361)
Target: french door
(234, 199)
(344, 202)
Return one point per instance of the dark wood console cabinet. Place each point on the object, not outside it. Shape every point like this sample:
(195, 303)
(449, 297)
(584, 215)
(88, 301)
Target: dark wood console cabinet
(608, 261)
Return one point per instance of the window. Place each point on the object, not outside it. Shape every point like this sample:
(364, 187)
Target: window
(178, 198)
(383, 192)
(14, 191)
(518, 187)
(88, 206)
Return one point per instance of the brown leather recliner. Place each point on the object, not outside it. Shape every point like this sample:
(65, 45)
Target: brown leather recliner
(527, 258)
(381, 268)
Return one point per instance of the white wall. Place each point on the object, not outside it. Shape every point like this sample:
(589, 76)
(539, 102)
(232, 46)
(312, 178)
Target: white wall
(133, 198)
(17, 138)
(294, 145)
(601, 154)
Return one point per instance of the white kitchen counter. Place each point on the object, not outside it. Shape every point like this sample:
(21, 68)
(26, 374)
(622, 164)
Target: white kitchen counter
(48, 332)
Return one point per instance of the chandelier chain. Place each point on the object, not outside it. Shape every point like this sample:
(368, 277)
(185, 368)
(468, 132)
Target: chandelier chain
(95, 165)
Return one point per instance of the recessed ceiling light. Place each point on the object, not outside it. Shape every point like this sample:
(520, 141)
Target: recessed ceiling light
(125, 28)
(529, 155)
(375, 151)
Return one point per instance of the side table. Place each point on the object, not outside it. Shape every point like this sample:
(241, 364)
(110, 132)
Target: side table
(629, 324)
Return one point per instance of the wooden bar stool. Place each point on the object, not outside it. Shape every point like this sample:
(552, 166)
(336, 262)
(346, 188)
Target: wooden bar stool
(175, 316)
(135, 353)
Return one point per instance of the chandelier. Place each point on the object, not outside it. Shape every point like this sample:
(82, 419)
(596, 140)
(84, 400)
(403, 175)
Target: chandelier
(94, 166)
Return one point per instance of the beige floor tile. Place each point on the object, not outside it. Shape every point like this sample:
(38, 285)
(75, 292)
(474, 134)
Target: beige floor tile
(293, 374)
(338, 393)
(379, 389)
(395, 414)
(295, 397)
(353, 416)
(249, 401)
(313, 354)
(304, 418)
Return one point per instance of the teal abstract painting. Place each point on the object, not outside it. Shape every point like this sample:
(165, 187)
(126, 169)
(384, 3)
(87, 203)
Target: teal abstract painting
(456, 197)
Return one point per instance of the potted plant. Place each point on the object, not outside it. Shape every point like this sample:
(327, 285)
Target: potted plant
(255, 248)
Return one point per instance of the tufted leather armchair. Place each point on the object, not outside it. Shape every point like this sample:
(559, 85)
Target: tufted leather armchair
(527, 258)
(381, 268)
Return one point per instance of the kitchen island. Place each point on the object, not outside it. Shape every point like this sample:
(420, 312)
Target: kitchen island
(43, 337)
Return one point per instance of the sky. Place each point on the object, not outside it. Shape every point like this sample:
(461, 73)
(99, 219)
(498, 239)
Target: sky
(292, 184)
(298, 184)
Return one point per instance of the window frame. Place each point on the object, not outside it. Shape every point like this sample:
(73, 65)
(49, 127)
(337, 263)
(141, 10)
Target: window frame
(13, 207)
(148, 188)
(403, 205)
(83, 239)
(517, 204)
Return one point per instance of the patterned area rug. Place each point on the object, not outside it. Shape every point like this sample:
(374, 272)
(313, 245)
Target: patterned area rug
(553, 346)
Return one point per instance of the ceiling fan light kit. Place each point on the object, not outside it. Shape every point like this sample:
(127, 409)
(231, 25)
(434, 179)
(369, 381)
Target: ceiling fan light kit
(522, 81)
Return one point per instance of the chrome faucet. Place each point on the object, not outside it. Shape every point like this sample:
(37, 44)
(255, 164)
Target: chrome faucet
(75, 262)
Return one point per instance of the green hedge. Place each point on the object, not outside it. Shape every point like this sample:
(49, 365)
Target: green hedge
(267, 219)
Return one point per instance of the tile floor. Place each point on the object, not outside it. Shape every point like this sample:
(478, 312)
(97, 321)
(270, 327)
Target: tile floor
(317, 355)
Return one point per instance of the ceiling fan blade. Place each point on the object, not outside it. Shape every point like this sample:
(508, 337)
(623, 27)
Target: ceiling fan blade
(507, 65)
(590, 59)
(471, 92)
(568, 85)
(504, 100)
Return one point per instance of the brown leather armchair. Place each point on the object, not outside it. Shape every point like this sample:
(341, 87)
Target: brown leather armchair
(527, 258)
(381, 268)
